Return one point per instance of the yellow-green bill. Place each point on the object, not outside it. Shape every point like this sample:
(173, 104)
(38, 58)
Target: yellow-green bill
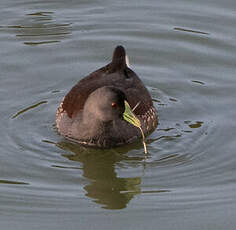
(129, 116)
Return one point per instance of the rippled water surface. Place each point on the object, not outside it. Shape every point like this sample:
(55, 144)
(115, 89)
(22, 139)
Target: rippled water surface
(184, 52)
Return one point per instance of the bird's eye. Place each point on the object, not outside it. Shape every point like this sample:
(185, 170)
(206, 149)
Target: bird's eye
(113, 104)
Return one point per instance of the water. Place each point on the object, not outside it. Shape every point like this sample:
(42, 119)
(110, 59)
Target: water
(184, 52)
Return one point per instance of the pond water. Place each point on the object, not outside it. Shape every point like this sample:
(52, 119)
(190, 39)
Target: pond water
(184, 52)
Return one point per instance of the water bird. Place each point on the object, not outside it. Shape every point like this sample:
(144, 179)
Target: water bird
(92, 112)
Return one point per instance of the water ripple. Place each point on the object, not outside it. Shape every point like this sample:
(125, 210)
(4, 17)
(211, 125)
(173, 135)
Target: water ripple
(185, 57)
(39, 28)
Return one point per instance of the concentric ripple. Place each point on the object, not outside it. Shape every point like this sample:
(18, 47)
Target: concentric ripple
(183, 53)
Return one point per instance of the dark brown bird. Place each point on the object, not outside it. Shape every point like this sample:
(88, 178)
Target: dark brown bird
(92, 112)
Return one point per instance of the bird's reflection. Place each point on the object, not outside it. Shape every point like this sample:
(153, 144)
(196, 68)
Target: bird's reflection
(105, 186)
